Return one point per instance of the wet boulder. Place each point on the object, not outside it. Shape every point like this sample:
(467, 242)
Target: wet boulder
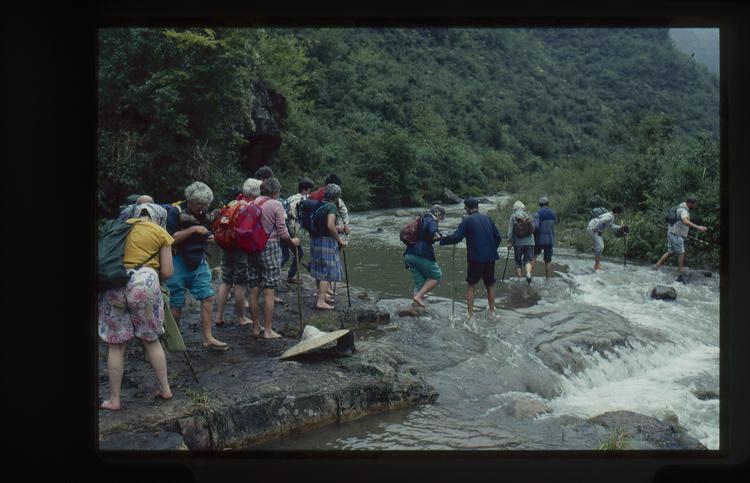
(527, 408)
(663, 292)
(403, 213)
(647, 432)
(451, 196)
(150, 441)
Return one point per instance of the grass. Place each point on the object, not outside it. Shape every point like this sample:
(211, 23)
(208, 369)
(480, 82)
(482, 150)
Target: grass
(617, 438)
(201, 402)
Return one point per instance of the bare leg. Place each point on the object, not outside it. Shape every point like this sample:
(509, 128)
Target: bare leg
(663, 260)
(206, 316)
(115, 367)
(470, 300)
(322, 291)
(681, 263)
(428, 285)
(518, 272)
(597, 262)
(547, 270)
(528, 269)
(221, 302)
(159, 363)
(255, 310)
(239, 305)
(268, 304)
(491, 299)
(176, 313)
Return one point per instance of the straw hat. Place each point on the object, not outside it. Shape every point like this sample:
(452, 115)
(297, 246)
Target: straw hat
(313, 338)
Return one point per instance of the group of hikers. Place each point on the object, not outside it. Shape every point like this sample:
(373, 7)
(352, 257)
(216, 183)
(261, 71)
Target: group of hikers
(164, 256)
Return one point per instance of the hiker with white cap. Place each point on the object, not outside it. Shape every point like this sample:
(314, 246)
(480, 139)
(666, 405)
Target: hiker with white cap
(521, 238)
(544, 235)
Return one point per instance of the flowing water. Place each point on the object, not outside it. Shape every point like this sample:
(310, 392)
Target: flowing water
(481, 365)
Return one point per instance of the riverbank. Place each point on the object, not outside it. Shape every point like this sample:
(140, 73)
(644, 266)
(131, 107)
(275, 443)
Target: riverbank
(247, 395)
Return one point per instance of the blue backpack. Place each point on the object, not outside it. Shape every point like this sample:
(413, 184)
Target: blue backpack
(308, 214)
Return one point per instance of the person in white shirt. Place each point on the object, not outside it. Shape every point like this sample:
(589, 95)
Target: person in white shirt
(676, 234)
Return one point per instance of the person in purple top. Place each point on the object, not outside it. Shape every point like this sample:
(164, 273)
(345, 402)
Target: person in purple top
(482, 240)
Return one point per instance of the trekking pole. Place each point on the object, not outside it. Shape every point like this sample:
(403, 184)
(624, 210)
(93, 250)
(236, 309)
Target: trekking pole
(190, 366)
(453, 283)
(625, 252)
(698, 240)
(506, 265)
(299, 295)
(346, 272)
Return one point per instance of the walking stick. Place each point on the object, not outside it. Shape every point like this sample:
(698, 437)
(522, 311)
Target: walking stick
(192, 371)
(506, 265)
(453, 283)
(299, 296)
(346, 272)
(625, 252)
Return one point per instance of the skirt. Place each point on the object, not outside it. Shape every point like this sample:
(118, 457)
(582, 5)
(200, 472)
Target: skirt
(325, 259)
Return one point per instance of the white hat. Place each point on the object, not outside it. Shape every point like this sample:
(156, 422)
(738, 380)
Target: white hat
(313, 338)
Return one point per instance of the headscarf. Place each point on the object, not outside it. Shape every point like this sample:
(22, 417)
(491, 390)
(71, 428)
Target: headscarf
(157, 213)
(518, 205)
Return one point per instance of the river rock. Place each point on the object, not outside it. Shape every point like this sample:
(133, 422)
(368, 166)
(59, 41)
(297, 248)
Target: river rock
(704, 394)
(403, 213)
(527, 408)
(484, 200)
(568, 335)
(663, 292)
(451, 196)
(152, 441)
(647, 432)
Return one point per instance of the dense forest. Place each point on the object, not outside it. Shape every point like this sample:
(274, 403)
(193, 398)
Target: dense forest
(586, 116)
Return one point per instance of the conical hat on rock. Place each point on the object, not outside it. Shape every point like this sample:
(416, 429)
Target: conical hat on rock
(312, 338)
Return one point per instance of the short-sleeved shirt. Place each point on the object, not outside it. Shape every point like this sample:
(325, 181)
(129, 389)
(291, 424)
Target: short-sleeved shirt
(679, 228)
(328, 208)
(144, 239)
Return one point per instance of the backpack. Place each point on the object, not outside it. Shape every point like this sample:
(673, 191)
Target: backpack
(111, 271)
(308, 212)
(223, 225)
(523, 225)
(597, 212)
(249, 233)
(672, 216)
(409, 233)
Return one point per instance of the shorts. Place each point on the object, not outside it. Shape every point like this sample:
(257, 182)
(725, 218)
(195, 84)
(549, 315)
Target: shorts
(547, 252)
(523, 254)
(598, 241)
(675, 244)
(234, 267)
(264, 270)
(197, 281)
(422, 269)
(483, 270)
(135, 310)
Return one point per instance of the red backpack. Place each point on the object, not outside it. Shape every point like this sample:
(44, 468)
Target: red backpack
(249, 234)
(409, 234)
(318, 194)
(223, 225)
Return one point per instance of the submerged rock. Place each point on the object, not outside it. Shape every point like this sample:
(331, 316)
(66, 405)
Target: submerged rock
(646, 432)
(527, 408)
(451, 196)
(663, 292)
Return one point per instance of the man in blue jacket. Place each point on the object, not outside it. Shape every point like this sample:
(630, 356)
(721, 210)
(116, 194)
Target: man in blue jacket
(482, 240)
(545, 220)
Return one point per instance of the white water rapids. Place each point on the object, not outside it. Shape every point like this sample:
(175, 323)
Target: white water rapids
(477, 365)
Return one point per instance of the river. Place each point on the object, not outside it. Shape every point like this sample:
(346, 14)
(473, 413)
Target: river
(479, 365)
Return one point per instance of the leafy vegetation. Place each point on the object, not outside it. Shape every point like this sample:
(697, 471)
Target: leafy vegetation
(585, 116)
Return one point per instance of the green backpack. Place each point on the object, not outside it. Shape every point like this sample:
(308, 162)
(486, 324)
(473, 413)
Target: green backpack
(111, 271)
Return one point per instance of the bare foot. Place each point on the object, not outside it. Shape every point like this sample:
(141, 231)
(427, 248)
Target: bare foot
(213, 343)
(324, 306)
(418, 302)
(244, 321)
(278, 300)
(272, 335)
(163, 395)
(256, 331)
(110, 405)
(219, 323)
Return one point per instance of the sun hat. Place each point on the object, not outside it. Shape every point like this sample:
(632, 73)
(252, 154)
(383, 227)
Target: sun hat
(543, 201)
(312, 338)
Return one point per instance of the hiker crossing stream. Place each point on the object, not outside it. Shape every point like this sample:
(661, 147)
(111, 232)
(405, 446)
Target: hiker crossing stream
(579, 345)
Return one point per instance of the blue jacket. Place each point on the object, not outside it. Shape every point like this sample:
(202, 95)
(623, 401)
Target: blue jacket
(482, 237)
(427, 229)
(545, 220)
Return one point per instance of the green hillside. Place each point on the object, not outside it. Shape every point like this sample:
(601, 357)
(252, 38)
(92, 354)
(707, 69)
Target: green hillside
(595, 115)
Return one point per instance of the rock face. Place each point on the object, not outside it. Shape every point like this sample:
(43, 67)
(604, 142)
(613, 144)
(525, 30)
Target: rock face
(269, 108)
(645, 432)
(568, 336)
(451, 196)
(663, 292)
(246, 395)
